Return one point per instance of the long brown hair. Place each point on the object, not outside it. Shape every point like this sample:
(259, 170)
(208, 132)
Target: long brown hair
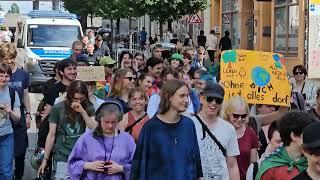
(76, 87)
(117, 85)
(167, 91)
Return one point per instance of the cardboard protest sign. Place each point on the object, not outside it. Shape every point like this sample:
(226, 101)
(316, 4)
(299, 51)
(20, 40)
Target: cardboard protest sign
(90, 73)
(259, 77)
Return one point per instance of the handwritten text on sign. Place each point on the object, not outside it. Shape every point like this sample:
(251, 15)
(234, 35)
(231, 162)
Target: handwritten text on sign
(259, 77)
(90, 73)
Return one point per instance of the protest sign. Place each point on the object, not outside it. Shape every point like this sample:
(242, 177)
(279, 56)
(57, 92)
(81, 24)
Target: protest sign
(259, 77)
(90, 73)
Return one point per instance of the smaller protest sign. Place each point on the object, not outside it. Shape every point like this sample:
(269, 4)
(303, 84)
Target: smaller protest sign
(90, 73)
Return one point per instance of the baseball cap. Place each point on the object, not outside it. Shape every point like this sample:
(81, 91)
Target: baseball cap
(311, 137)
(106, 60)
(213, 90)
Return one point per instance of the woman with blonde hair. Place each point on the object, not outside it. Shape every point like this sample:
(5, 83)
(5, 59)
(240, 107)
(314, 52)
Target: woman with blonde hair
(236, 111)
(122, 83)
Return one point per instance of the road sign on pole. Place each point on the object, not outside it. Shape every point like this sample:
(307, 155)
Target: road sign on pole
(194, 19)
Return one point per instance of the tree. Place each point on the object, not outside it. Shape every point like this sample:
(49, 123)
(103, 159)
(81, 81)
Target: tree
(168, 11)
(82, 8)
(14, 9)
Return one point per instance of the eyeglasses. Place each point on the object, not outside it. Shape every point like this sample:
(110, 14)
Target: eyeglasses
(130, 78)
(217, 100)
(296, 73)
(236, 116)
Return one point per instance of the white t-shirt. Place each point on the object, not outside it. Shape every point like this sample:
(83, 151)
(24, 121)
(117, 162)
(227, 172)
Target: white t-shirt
(214, 164)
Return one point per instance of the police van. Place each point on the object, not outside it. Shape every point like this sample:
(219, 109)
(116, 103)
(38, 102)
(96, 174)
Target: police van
(43, 38)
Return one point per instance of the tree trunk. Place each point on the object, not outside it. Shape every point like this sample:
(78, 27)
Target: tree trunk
(35, 5)
(170, 26)
(118, 26)
(55, 5)
(111, 34)
(91, 19)
(83, 22)
(161, 30)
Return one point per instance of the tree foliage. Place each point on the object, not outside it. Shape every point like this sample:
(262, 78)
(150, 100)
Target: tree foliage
(168, 10)
(14, 9)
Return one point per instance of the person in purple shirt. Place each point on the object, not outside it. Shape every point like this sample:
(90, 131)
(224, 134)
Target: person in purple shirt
(106, 153)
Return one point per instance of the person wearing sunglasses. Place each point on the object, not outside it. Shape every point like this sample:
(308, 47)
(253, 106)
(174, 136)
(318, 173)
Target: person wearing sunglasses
(301, 84)
(122, 84)
(236, 111)
(311, 150)
(106, 152)
(216, 164)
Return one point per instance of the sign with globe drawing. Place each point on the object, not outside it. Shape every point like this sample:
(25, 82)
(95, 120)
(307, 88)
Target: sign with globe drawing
(259, 77)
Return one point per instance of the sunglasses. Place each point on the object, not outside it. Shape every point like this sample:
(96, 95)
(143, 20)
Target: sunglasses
(236, 116)
(78, 49)
(130, 78)
(217, 100)
(296, 73)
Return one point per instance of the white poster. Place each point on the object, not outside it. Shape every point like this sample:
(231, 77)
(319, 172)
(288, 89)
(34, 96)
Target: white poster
(314, 39)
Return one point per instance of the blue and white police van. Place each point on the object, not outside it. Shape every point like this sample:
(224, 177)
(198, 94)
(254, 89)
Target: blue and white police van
(43, 38)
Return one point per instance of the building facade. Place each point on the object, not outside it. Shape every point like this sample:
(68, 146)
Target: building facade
(275, 26)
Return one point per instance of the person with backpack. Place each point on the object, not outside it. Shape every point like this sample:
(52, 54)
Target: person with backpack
(68, 120)
(19, 81)
(9, 114)
(134, 120)
(217, 138)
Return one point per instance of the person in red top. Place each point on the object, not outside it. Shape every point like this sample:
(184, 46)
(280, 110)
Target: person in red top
(134, 120)
(287, 161)
(236, 111)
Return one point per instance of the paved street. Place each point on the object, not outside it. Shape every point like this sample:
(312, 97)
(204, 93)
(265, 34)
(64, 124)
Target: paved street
(30, 173)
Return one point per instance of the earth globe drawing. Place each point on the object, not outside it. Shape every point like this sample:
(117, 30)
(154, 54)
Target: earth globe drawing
(260, 76)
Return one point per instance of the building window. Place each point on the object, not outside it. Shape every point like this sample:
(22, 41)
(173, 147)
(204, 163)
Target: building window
(286, 15)
(230, 21)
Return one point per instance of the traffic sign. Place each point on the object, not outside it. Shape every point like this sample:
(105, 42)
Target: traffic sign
(194, 19)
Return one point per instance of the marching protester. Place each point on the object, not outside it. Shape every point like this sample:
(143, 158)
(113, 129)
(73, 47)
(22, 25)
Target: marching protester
(311, 150)
(125, 59)
(154, 67)
(9, 113)
(274, 143)
(167, 147)
(139, 63)
(217, 138)
(19, 81)
(288, 161)
(145, 81)
(168, 73)
(123, 82)
(236, 111)
(67, 122)
(303, 86)
(134, 120)
(105, 152)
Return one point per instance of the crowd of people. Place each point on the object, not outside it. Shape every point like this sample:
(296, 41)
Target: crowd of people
(155, 118)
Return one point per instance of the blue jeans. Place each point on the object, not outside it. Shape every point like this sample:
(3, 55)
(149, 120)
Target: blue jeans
(6, 156)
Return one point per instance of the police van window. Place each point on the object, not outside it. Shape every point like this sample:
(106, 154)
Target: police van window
(52, 35)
